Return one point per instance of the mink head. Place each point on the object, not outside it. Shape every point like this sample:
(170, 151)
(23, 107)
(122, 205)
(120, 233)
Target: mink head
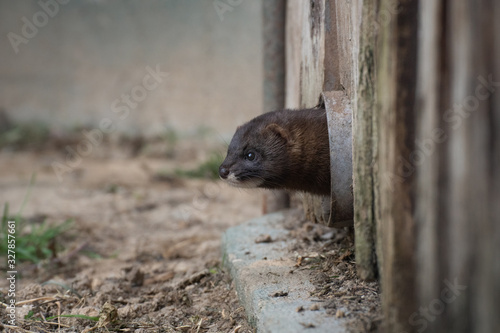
(257, 155)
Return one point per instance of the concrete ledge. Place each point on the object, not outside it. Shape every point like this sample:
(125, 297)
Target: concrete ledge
(268, 286)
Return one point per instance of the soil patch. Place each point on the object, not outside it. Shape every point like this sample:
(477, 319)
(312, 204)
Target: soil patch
(143, 250)
(329, 255)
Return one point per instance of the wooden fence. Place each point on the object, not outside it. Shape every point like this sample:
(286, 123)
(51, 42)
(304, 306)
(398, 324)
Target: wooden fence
(423, 81)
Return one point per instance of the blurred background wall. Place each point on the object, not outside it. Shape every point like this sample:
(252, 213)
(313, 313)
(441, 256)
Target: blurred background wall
(145, 65)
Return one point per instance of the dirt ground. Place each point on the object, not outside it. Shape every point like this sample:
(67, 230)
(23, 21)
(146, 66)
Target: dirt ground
(143, 251)
(328, 254)
(147, 244)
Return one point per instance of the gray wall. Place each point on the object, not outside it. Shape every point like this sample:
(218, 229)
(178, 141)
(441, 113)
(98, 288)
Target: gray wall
(84, 55)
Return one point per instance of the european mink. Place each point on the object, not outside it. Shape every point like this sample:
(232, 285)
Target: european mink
(286, 149)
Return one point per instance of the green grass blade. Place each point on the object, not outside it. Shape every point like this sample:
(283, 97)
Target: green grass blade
(74, 316)
(28, 194)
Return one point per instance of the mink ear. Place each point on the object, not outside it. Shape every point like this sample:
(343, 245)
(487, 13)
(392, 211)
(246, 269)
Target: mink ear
(279, 131)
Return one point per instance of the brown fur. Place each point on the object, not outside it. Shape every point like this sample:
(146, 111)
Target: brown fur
(291, 150)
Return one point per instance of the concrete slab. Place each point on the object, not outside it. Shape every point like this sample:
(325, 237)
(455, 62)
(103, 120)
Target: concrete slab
(267, 284)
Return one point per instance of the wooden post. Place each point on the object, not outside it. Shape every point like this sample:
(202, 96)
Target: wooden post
(274, 80)
(457, 201)
(438, 195)
(396, 73)
(425, 93)
(365, 147)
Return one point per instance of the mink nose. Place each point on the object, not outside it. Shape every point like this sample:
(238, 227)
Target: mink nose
(223, 172)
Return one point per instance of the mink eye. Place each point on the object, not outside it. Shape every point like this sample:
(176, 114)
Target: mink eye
(250, 156)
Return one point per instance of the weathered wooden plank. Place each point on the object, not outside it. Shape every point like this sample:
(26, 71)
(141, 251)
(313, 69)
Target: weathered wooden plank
(457, 199)
(312, 52)
(365, 147)
(348, 15)
(396, 72)
(273, 12)
(273, 19)
(446, 144)
(468, 150)
(491, 306)
(332, 59)
(293, 45)
(429, 94)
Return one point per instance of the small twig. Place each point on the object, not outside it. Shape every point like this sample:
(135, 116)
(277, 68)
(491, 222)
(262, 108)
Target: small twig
(199, 325)
(52, 323)
(59, 314)
(236, 329)
(195, 278)
(182, 327)
(36, 300)
(90, 329)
